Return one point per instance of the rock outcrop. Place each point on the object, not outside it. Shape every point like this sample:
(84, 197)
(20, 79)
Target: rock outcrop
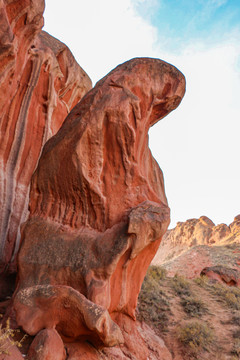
(98, 211)
(194, 232)
(222, 274)
(197, 244)
(40, 82)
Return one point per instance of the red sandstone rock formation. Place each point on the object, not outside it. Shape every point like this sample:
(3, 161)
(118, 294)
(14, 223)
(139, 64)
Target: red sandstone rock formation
(40, 82)
(222, 274)
(197, 244)
(47, 345)
(196, 232)
(98, 211)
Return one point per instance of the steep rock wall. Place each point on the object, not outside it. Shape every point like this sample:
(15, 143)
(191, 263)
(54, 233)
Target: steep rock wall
(40, 82)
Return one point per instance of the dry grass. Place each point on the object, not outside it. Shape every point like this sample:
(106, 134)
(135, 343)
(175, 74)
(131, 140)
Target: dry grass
(186, 307)
(181, 286)
(236, 349)
(193, 307)
(196, 336)
(7, 338)
(153, 305)
(230, 295)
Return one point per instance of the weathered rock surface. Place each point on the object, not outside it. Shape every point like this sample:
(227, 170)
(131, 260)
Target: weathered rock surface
(12, 353)
(140, 343)
(40, 82)
(196, 232)
(223, 274)
(98, 211)
(197, 244)
(47, 345)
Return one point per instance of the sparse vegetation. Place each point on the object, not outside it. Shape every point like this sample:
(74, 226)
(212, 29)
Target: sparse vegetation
(153, 304)
(196, 336)
(157, 273)
(236, 320)
(236, 348)
(181, 286)
(7, 338)
(230, 295)
(193, 307)
(202, 281)
(164, 303)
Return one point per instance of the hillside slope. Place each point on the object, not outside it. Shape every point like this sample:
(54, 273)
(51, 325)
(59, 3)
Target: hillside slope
(198, 319)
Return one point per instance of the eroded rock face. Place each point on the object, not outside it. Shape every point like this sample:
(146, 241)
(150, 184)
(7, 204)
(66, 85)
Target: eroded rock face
(222, 274)
(195, 232)
(98, 209)
(197, 244)
(40, 82)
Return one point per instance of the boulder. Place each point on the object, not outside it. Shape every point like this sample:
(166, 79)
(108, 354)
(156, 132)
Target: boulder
(223, 274)
(47, 345)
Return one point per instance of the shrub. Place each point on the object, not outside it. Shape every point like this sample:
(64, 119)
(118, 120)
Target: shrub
(230, 295)
(193, 306)
(152, 302)
(157, 273)
(236, 348)
(235, 320)
(181, 286)
(202, 281)
(196, 336)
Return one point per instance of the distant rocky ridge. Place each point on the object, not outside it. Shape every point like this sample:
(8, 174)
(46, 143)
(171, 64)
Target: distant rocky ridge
(198, 243)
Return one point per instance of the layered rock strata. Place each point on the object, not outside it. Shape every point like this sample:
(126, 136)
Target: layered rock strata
(98, 210)
(40, 82)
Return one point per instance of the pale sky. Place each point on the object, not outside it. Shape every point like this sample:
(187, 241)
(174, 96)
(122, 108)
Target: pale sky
(197, 146)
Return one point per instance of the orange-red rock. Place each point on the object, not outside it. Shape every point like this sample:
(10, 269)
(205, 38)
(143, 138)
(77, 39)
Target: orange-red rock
(223, 274)
(140, 342)
(47, 345)
(12, 352)
(197, 244)
(196, 232)
(40, 82)
(98, 209)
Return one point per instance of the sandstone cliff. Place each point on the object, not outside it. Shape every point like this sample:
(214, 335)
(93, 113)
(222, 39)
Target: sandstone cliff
(40, 82)
(198, 243)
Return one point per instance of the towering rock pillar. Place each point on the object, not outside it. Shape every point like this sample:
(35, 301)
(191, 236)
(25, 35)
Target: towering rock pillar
(98, 209)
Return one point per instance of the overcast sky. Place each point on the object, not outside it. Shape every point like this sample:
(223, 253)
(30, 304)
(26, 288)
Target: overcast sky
(198, 145)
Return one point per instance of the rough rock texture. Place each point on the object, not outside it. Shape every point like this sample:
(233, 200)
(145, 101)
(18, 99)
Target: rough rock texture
(196, 232)
(98, 210)
(223, 274)
(197, 244)
(13, 353)
(140, 343)
(40, 82)
(47, 345)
